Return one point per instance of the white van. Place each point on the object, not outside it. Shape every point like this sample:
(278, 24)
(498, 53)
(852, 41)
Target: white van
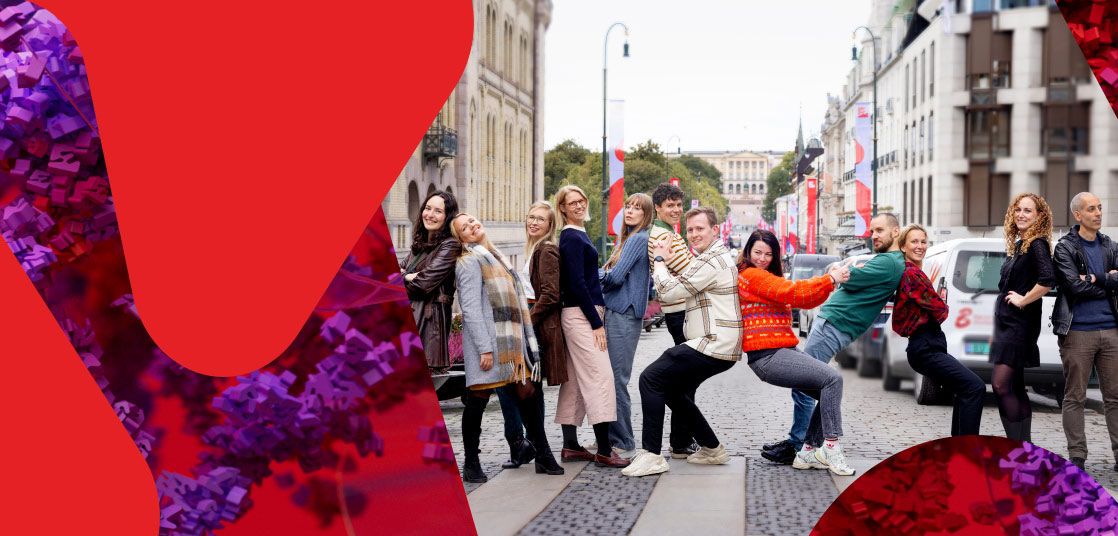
(968, 271)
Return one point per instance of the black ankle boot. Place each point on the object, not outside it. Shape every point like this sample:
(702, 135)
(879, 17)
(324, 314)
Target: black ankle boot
(521, 451)
(545, 463)
(471, 438)
(471, 470)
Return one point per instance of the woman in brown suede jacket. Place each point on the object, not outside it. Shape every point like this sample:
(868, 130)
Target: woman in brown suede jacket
(544, 275)
(429, 275)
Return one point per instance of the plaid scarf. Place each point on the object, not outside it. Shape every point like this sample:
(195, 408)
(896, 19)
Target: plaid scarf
(517, 351)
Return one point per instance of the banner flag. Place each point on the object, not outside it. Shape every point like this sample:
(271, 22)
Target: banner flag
(793, 227)
(811, 196)
(863, 184)
(675, 182)
(616, 143)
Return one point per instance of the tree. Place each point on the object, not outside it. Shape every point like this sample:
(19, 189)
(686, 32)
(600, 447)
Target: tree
(558, 162)
(778, 184)
(642, 175)
(648, 151)
(698, 166)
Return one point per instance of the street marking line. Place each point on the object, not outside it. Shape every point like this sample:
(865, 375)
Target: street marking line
(696, 499)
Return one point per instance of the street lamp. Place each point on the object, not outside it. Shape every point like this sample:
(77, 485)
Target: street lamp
(605, 150)
(667, 174)
(854, 56)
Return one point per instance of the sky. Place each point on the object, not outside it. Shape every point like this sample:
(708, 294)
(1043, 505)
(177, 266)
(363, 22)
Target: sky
(720, 75)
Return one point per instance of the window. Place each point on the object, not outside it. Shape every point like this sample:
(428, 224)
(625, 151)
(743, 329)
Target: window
(929, 200)
(920, 201)
(923, 73)
(761, 190)
(1065, 129)
(987, 133)
(921, 140)
(905, 88)
(904, 202)
(914, 84)
(930, 144)
(932, 70)
(906, 146)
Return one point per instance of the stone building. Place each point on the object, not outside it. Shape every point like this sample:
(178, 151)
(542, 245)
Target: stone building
(975, 105)
(743, 181)
(486, 144)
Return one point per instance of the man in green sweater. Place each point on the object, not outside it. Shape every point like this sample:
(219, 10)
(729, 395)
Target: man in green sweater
(844, 317)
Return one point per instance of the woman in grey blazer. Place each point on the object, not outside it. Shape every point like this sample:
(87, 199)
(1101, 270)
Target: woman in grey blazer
(498, 344)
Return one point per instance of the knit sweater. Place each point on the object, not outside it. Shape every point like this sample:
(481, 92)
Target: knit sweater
(578, 280)
(766, 302)
(676, 264)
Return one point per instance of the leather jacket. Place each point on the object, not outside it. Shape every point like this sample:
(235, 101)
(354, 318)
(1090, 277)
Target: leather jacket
(1071, 262)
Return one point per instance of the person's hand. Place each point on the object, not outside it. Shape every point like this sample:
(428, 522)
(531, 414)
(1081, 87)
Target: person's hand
(1015, 300)
(410, 277)
(1082, 277)
(840, 274)
(861, 265)
(600, 338)
(663, 248)
(487, 361)
(1113, 272)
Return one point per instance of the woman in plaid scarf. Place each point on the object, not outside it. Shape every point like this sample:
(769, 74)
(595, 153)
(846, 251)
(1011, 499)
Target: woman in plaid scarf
(498, 343)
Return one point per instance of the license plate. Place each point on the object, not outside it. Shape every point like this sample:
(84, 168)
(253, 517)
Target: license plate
(982, 348)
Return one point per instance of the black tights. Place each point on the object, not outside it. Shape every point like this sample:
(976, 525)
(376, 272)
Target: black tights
(601, 435)
(1009, 386)
(528, 403)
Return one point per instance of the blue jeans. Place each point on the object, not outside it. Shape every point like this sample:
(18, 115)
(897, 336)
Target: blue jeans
(623, 330)
(824, 341)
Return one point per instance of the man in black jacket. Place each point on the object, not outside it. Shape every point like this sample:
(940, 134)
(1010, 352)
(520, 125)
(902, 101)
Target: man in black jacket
(1085, 321)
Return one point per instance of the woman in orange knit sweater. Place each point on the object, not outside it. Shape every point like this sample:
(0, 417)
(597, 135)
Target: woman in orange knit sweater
(766, 301)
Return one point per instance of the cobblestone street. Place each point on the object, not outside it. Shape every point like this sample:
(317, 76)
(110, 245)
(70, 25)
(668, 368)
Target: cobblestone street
(745, 413)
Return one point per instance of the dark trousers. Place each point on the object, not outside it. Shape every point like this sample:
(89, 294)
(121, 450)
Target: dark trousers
(667, 381)
(679, 437)
(927, 354)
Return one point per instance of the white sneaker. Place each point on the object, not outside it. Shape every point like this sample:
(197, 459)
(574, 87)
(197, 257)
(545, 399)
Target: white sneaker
(705, 456)
(646, 463)
(806, 459)
(834, 460)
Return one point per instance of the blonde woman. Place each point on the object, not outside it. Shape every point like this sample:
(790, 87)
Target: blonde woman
(541, 269)
(588, 391)
(625, 287)
(1027, 275)
(498, 343)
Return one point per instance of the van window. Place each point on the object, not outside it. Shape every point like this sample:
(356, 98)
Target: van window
(806, 272)
(978, 270)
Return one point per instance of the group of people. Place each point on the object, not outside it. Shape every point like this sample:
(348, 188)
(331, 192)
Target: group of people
(561, 318)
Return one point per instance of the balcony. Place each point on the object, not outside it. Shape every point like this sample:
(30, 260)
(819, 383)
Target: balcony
(440, 142)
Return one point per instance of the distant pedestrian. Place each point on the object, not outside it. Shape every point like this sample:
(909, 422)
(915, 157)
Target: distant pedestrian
(917, 314)
(1027, 275)
(1085, 321)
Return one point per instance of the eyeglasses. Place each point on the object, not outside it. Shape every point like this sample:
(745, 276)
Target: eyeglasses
(574, 204)
(536, 219)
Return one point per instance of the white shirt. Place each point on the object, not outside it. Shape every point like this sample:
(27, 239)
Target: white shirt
(526, 280)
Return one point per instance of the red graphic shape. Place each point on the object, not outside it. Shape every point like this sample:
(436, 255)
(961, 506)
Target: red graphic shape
(963, 320)
(620, 154)
(292, 122)
(70, 467)
(859, 152)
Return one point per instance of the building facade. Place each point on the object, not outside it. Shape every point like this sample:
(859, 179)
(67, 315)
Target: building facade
(486, 144)
(974, 106)
(743, 182)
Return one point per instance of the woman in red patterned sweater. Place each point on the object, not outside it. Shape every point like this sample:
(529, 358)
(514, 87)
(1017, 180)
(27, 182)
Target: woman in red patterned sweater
(766, 301)
(918, 314)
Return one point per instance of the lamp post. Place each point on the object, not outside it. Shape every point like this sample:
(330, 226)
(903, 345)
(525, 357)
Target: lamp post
(605, 150)
(667, 174)
(854, 56)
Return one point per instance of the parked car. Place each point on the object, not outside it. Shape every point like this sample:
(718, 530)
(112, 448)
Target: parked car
(966, 272)
(863, 353)
(807, 266)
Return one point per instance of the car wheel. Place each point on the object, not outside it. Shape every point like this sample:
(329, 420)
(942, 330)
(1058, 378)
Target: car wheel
(888, 381)
(844, 360)
(867, 368)
(924, 390)
(1052, 390)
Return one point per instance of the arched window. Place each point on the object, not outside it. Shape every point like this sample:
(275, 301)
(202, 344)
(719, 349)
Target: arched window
(413, 201)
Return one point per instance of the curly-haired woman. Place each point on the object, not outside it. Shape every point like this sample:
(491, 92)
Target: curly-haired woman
(1027, 275)
(429, 275)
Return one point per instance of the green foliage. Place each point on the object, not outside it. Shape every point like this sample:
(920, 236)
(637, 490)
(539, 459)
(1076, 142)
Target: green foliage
(700, 167)
(778, 184)
(642, 175)
(558, 162)
(648, 151)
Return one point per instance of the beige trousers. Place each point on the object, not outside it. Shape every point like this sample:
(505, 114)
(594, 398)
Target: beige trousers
(588, 392)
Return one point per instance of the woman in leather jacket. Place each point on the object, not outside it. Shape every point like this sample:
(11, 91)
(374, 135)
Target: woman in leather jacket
(429, 275)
